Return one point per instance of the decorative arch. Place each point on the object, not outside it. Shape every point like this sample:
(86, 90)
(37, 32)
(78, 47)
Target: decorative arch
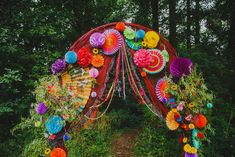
(103, 61)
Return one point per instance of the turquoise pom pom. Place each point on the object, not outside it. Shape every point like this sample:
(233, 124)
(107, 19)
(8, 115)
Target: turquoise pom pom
(54, 124)
(209, 105)
(71, 57)
(140, 34)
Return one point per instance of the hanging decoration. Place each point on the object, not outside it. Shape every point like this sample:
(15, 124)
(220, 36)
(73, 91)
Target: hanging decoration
(80, 83)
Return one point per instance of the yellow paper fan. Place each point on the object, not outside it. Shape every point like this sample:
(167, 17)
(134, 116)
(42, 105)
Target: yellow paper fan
(170, 121)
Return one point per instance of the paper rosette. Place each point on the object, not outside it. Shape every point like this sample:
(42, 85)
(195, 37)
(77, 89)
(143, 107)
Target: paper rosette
(170, 120)
(161, 88)
(113, 40)
(157, 64)
(135, 45)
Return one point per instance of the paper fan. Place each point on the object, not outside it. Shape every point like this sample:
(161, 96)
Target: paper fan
(113, 40)
(170, 120)
(161, 88)
(157, 64)
(134, 44)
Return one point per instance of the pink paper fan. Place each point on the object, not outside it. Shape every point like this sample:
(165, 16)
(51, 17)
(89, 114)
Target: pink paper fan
(113, 40)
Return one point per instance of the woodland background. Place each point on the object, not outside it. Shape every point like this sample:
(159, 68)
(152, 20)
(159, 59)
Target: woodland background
(33, 33)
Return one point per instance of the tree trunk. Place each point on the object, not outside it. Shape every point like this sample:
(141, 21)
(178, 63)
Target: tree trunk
(231, 38)
(172, 21)
(188, 23)
(154, 7)
(197, 22)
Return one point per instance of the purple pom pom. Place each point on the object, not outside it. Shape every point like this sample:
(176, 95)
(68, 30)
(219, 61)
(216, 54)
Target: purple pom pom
(58, 66)
(191, 155)
(97, 40)
(41, 108)
(180, 67)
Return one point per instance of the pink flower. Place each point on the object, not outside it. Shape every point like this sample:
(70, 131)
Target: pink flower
(180, 107)
(142, 58)
(189, 117)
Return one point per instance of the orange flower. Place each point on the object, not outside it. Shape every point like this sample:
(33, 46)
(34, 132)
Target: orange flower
(97, 61)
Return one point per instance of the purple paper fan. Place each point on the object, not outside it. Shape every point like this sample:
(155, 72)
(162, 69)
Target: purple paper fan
(180, 67)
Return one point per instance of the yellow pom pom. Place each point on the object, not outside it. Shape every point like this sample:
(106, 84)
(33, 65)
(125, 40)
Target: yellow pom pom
(152, 39)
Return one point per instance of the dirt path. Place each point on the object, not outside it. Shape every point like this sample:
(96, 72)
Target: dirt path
(122, 146)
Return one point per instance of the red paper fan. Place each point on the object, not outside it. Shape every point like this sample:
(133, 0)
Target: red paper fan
(113, 40)
(157, 64)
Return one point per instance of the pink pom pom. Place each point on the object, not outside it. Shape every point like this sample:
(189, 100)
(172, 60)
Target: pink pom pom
(93, 72)
(142, 58)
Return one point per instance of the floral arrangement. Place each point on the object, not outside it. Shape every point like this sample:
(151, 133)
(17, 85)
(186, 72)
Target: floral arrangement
(80, 83)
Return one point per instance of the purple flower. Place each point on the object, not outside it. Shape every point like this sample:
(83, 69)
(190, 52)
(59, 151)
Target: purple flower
(180, 67)
(41, 108)
(58, 66)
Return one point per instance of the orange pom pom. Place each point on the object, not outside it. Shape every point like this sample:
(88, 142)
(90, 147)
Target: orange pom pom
(143, 74)
(200, 121)
(120, 26)
(58, 152)
(97, 61)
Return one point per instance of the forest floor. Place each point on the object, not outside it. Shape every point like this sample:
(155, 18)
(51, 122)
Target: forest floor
(123, 145)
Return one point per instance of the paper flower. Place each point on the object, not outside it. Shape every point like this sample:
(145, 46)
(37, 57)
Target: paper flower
(195, 140)
(54, 124)
(47, 151)
(97, 61)
(160, 89)
(200, 121)
(200, 135)
(71, 57)
(140, 34)
(185, 139)
(93, 72)
(174, 87)
(191, 126)
(171, 123)
(58, 66)
(120, 26)
(143, 74)
(180, 67)
(142, 58)
(166, 55)
(41, 108)
(66, 137)
(95, 51)
(188, 117)
(129, 33)
(152, 39)
(58, 152)
(97, 39)
(180, 106)
(135, 44)
(84, 57)
(37, 124)
(113, 41)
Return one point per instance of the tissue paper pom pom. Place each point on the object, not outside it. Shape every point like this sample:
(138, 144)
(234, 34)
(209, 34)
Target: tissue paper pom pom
(93, 94)
(140, 34)
(190, 154)
(97, 39)
(66, 137)
(41, 108)
(84, 57)
(195, 140)
(120, 26)
(142, 58)
(97, 61)
(54, 124)
(180, 67)
(93, 72)
(161, 90)
(200, 121)
(58, 152)
(171, 123)
(129, 33)
(152, 39)
(71, 57)
(58, 66)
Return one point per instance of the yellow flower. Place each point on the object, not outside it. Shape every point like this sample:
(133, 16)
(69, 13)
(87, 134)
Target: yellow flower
(193, 150)
(174, 87)
(144, 44)
(185, 139)
(191, 105)
(187, 148)
(191, 126)
(47, 151)
(95, 50)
